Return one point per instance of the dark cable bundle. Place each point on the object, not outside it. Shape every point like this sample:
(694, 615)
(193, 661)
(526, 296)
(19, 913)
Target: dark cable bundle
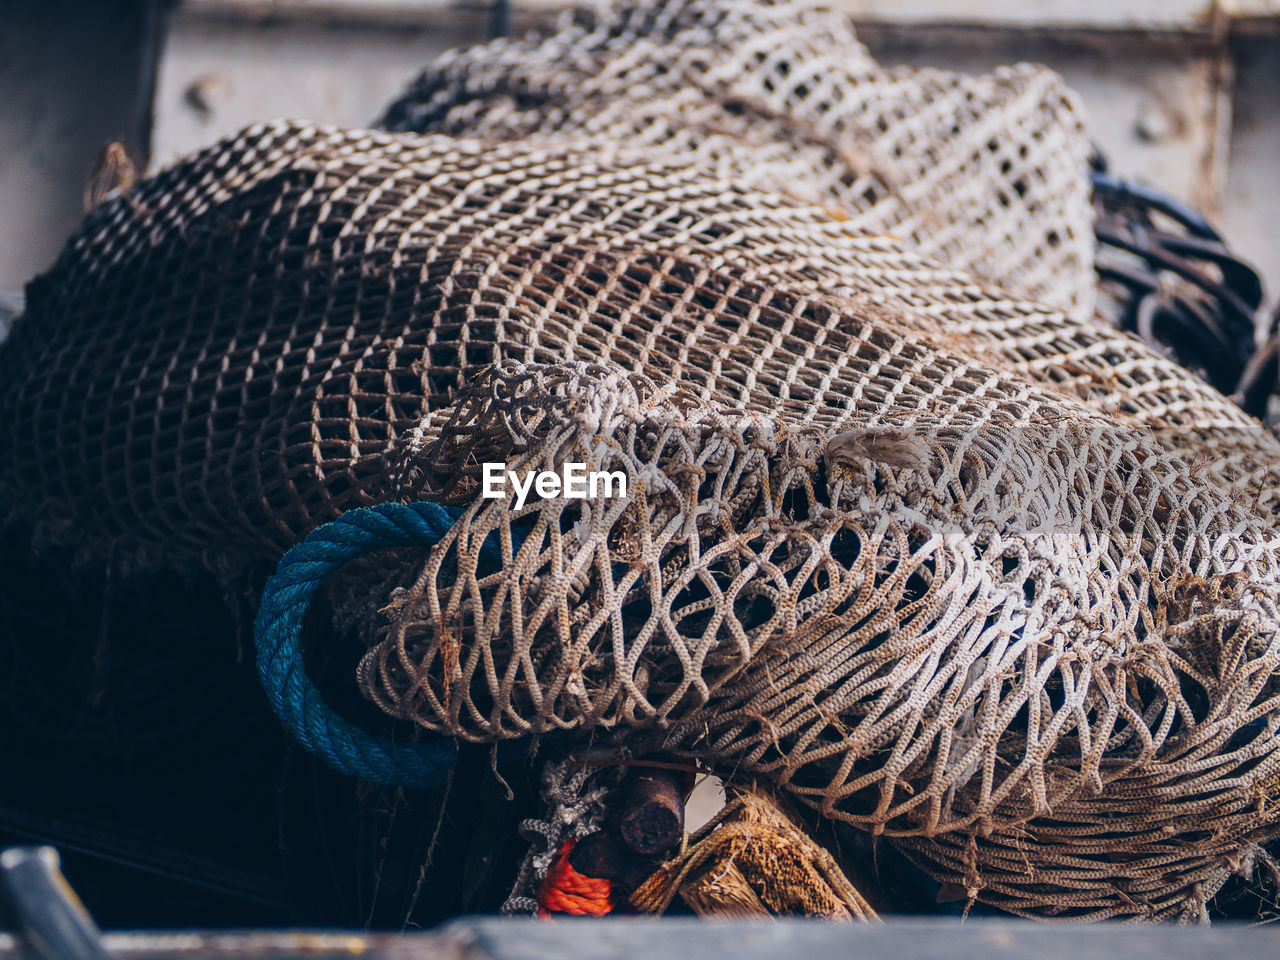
(1168, 276)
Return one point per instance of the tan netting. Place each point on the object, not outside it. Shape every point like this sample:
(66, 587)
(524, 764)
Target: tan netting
(961, 568)
(983, 173)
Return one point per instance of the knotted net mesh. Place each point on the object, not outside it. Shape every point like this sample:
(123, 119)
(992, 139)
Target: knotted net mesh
(905, 529)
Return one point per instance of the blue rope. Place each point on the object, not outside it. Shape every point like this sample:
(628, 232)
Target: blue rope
(277, 633)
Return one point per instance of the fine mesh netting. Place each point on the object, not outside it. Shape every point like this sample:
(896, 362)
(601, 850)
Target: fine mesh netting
(906, 530)
(985, 174)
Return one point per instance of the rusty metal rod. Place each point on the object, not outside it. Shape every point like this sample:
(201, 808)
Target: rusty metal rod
(651, 813)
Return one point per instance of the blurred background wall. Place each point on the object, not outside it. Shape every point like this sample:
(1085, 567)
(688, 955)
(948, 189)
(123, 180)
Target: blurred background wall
(1183, 94)
(73, 76)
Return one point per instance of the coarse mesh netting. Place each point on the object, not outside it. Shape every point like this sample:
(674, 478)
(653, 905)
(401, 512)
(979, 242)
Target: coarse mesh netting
(906, 530)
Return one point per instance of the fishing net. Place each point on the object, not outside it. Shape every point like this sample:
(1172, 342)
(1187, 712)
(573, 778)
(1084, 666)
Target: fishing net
(982, 173)
(905, 531)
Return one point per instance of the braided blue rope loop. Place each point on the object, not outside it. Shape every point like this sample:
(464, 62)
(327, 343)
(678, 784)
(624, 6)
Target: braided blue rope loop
(277, 633)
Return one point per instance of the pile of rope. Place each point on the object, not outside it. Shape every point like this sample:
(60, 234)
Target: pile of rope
(906, 532)
(752, 861)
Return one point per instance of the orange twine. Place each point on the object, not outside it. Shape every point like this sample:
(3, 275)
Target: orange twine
(565, 890)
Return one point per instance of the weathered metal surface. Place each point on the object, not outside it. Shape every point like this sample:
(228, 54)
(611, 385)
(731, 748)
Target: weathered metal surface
(222, 73)
(72, 77)
(901, 940)
(51, 917)
(1177, 16)
(262, 945)
(1251, 201)
(1181, 15)
(637, 939)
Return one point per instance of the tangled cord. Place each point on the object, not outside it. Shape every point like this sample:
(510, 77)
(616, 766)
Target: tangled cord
(565, 890)
(277, 634)
(1181, 289)
(575, 804)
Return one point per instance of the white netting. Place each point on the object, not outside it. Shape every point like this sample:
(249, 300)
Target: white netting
(906, 531)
